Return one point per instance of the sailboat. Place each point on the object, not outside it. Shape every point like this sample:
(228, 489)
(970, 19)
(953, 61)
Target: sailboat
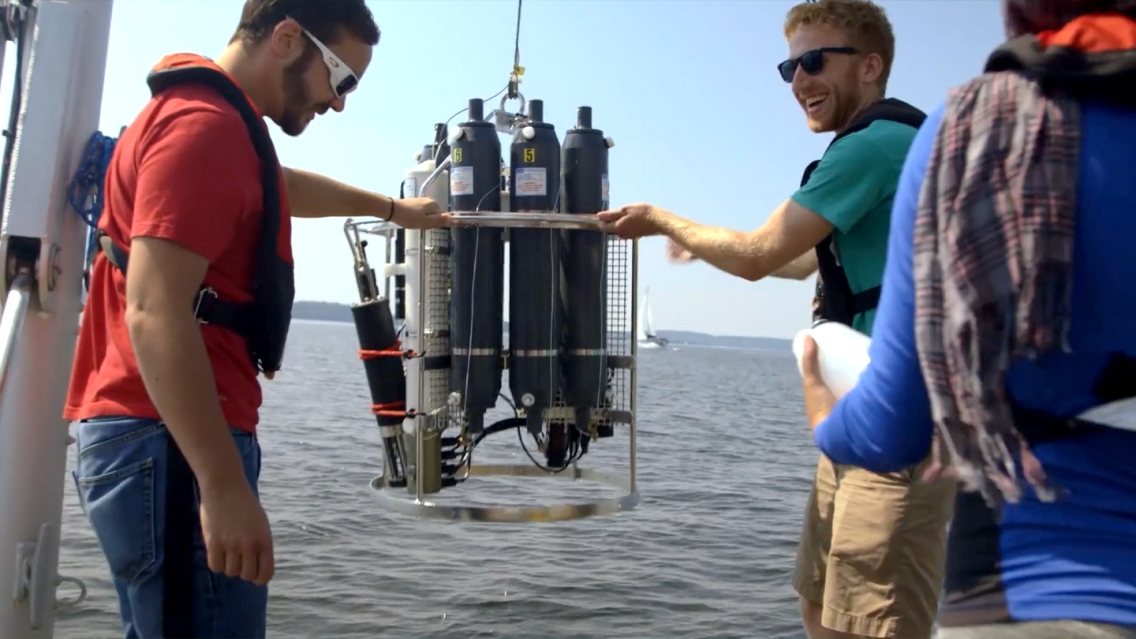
(646, 335)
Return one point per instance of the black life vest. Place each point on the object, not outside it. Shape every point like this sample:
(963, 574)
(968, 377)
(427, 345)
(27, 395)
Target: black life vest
(1116, 382)
(834, 300)
(265, 321)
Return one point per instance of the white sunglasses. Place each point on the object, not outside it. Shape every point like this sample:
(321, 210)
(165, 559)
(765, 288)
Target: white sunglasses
(343, 79)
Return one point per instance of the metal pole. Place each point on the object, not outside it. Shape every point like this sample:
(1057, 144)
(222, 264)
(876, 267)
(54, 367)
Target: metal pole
(15, 309)
(634, 381)
(46, 241)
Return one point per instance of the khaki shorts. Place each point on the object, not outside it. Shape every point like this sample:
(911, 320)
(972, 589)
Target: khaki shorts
(872, 550)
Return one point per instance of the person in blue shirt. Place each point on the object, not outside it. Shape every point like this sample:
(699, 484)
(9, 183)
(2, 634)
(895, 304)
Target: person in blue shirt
(1004, 342)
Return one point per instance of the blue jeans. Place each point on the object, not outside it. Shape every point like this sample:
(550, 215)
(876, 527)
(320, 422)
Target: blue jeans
(125, 471)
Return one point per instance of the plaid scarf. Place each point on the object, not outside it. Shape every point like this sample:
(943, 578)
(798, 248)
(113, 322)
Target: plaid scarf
(993, 250)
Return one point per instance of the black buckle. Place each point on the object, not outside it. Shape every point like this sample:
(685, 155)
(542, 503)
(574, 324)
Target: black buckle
(201, 307)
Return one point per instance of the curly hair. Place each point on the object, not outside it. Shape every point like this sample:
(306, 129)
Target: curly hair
(865, 22)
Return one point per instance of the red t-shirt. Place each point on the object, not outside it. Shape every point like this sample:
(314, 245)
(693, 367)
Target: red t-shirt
(184, 171)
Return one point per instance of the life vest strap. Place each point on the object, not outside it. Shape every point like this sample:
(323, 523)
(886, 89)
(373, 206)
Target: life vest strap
(866, 300)
(1115, 384)
(208, 308)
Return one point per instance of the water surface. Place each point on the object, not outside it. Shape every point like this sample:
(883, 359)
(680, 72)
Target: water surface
(724, 459)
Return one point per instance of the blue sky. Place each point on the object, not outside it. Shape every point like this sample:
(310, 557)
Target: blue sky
(702, 123)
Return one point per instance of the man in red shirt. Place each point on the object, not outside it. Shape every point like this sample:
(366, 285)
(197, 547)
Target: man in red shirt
(163, 385)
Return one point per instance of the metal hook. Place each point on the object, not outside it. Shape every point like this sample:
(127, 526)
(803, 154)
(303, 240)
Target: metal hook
(518, 96)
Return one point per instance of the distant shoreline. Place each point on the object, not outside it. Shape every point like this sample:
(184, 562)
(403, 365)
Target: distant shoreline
(341, 314)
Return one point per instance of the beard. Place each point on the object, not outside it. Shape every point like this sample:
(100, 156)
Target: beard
(297, 98)
(837, 114)
(844, 102)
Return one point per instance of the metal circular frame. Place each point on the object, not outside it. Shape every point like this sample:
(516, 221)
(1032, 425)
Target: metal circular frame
(384, 495)
(537, 220)
(520, 97)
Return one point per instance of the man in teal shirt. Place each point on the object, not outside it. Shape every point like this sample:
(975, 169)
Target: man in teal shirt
(870, 559)
(848, 196)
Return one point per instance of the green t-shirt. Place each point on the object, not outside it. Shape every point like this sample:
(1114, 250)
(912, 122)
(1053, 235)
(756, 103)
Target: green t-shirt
(853, 188)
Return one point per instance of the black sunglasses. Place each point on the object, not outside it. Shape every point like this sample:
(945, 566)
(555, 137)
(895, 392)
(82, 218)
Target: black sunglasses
(812, 62)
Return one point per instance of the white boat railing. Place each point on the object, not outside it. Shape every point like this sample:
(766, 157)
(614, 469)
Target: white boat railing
(15, 309)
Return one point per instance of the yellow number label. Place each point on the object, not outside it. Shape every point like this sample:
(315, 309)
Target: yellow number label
(457, 153)
(530, 155)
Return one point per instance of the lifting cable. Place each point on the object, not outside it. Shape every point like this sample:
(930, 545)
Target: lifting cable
(511, 89)
(518, 70)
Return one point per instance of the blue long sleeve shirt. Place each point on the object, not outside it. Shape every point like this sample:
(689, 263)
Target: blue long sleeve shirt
(1073, 559)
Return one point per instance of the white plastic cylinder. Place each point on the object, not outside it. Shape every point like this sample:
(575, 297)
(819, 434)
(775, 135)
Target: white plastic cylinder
(416, 177)
(842, 353)
(411, 268)
(439, 190)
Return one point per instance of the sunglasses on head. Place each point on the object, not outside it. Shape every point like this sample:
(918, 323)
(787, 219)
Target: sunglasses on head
(811, 62)
(343, 79)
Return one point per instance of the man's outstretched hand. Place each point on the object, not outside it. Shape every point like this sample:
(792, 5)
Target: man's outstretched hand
(419, 213)
(642, 220)
(632, 221)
